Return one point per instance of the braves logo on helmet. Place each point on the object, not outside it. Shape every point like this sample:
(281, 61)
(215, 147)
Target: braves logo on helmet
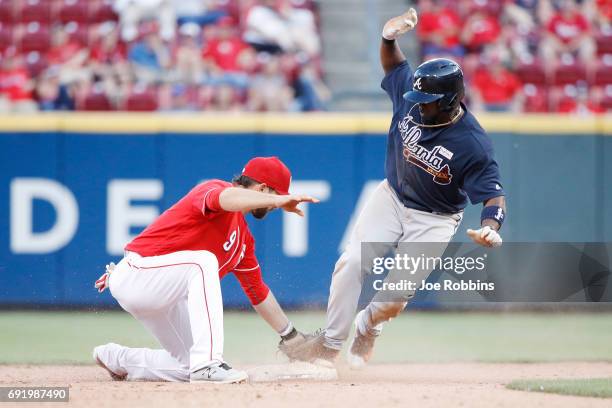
(417, 84)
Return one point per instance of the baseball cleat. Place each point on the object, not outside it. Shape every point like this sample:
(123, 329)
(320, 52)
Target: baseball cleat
(101, 357)
(218, 374)
(361, 348)
(315, 351)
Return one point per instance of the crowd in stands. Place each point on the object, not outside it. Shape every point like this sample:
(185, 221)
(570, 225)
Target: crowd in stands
(163, 55)
(264, 55)
(525, 55)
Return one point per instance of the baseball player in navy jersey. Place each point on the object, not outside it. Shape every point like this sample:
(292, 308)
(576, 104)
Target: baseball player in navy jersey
(438, 157)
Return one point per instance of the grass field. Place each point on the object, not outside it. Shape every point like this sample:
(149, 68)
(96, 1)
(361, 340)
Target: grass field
(68, 337)
(584, 387)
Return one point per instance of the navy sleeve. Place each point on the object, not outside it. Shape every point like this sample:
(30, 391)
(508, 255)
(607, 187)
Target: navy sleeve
(481, 180)
(397, 82)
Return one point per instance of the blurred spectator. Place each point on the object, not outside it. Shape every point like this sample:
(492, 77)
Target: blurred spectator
(225, 98)
(479, 30)
(269, 90)
(150, 58)
(311, 92)
(276, 26)
(495, 88)
(132, 12)
(188, 63)
(51, 94)
(177, 97)
(578, 100)
(68, 55)
(200, 12)
(108, 55)
(16, 86)
(438, 30)
(225, 48)
(568, 33)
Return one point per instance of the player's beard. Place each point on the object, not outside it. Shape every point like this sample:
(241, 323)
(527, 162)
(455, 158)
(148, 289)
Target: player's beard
(429, 116)
(260, 213)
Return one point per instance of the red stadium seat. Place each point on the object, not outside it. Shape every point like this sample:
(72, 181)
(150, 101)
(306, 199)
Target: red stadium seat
(78, 32)
(569, 74)
(536, 99)
(35, 63)
(7, 11)
(141, 100)
(606, 103)
(532, 73)
(35, 38)
(604, 44)
(103, 12)
(35, 10)
(6, 37)
(603, 75)
(96, 100)
(74, 10)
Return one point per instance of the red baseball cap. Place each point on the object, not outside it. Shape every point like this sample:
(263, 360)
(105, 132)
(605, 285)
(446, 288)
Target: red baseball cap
(269, 170)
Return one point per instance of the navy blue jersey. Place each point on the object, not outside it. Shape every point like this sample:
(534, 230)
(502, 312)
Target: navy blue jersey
(436, 169)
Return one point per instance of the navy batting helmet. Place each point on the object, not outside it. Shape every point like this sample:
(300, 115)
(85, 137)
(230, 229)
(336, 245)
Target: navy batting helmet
(439, 80)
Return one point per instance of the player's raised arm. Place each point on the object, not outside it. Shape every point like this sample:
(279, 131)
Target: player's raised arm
(390, 53)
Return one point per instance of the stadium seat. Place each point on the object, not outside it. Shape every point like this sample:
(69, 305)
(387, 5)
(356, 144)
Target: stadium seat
(35, 38)
(536, 99)
(78, 32)
(103, 12)
(96, 100)
(6, 37)
(532, 73)
(141, 100)
(35, 63)
(7, 11)
(604, 44)
(74, 10)
(603, 75)
(35, 10)
(569, 74)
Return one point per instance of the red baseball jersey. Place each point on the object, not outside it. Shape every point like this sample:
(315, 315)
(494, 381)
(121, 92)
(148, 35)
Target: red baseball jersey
(197, 222)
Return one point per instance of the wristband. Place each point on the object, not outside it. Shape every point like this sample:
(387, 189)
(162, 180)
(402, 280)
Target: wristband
(493, 212)
(287, 330)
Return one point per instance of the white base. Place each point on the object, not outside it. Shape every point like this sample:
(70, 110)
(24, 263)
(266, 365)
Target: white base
(293, 371)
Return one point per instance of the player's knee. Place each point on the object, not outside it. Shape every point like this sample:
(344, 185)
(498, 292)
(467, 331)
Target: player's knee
(207, 260)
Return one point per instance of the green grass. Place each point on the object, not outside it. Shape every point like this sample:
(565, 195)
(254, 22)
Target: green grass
(588, 387)
(68, 337)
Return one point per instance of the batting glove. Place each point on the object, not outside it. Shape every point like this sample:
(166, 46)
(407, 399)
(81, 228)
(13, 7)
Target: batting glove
(102, 282)
(400, 25)
(485, 236)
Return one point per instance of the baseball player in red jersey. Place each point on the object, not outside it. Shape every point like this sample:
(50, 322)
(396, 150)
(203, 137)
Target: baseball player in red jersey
(169, 278)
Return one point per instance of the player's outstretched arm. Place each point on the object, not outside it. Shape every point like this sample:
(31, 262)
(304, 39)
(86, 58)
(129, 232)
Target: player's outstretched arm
(492, 217)
(390, 53)
(242, 199)
(274, 315)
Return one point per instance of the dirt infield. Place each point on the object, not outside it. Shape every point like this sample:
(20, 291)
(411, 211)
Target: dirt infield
(422, 385)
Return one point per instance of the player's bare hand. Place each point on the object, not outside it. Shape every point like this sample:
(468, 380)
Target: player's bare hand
(485, 236)
(400, 25)
(102, 282)
(290, 202)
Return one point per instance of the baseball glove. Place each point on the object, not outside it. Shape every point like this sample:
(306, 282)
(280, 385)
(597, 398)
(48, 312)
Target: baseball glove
(308, 348)
(400, 25)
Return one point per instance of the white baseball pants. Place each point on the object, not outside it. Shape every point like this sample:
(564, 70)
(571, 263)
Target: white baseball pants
(177, 297)
(383, 219)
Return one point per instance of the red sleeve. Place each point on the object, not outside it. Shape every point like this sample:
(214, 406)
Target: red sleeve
(249, 276)
(206, 196)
